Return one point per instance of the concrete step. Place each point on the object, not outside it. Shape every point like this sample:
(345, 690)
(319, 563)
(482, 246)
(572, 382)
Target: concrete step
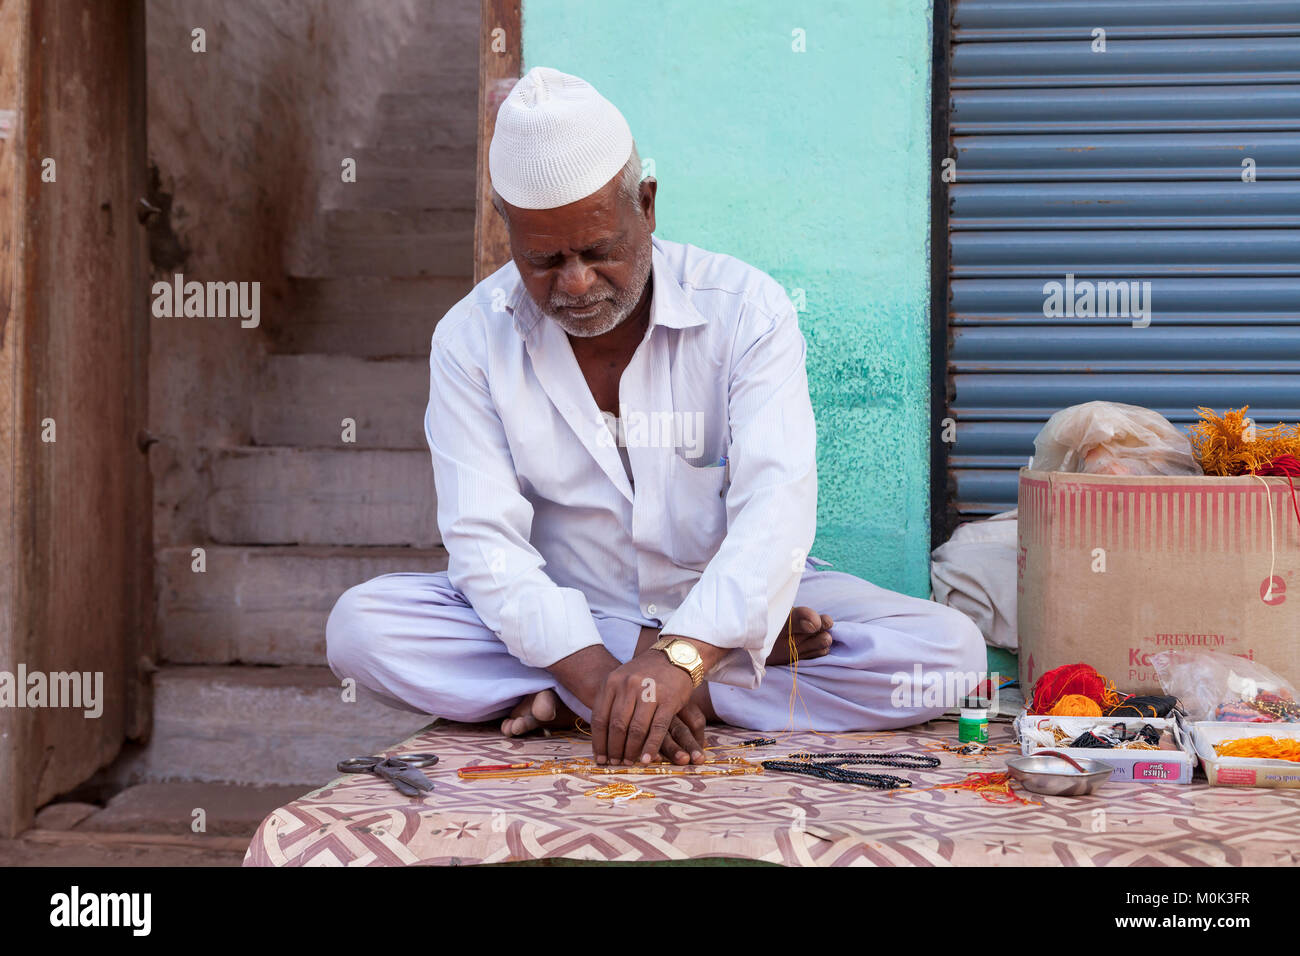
(358, 497)
(229, 810)
(303, 399)
(268, 726)
(419, 66)
(410, 225)
(442, 98)
(442, 38)
(412, 161)
(443, 17)
(364, 316)
(39, 847)
(264, 605)
(433, 51)
(430, 117)
(386, 242)
(426, 88)
(408, 178)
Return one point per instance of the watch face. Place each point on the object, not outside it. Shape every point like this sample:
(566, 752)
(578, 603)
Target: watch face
(682, 653)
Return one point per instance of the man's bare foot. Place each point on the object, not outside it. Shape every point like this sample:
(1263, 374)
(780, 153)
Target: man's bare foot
(535, 712)
(812, 637)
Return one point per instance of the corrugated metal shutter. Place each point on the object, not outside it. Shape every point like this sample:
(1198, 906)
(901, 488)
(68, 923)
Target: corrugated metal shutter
(1123, 165)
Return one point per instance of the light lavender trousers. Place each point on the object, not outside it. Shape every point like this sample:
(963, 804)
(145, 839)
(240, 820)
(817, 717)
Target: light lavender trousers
(416, 643)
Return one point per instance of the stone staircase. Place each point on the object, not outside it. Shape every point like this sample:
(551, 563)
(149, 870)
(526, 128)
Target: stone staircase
(298, 515)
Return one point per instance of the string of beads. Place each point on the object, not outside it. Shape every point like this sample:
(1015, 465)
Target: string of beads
(831, 767)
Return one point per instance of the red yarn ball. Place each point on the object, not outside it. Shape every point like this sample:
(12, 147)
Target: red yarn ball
(1067, 679)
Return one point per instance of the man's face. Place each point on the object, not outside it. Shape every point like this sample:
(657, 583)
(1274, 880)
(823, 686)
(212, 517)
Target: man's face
(587, 263)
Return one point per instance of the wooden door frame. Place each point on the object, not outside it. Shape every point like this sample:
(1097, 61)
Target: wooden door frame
(500, 60)
(76, 550)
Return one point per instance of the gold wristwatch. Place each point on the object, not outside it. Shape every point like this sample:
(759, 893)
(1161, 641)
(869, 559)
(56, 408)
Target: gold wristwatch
(684, 655)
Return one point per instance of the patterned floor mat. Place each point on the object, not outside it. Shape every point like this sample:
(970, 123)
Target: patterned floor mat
(360, 820)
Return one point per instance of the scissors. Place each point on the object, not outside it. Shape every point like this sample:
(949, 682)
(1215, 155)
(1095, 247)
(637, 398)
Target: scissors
(400, 770)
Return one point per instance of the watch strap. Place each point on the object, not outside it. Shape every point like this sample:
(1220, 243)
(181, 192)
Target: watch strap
(696, 671)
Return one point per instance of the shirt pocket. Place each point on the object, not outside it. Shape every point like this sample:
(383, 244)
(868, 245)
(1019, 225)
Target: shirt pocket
(698, 512)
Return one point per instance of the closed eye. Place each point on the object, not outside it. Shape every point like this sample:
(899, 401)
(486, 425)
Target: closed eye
(600, 251)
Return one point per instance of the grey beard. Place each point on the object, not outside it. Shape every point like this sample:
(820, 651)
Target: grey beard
(620, 307)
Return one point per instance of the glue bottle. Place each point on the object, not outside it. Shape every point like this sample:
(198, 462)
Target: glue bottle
(973, 725)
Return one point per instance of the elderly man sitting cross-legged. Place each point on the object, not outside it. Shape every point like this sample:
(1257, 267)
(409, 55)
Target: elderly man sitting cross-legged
(623, 451)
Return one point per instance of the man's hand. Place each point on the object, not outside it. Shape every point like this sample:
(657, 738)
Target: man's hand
(684, 742)
(625, 727)
(591, 675)
(636, 707)
(583, 673)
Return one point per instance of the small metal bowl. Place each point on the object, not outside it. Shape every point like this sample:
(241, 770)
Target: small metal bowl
(1058, 775)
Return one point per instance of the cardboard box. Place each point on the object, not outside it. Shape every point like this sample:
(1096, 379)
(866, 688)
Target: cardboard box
(1115, 568)
(1130, 766)
(1244, 771)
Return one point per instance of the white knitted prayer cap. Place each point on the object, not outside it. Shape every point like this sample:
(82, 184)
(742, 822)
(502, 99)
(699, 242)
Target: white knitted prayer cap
(556, 141)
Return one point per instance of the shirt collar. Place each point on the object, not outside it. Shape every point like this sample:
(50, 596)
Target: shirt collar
(669, 304)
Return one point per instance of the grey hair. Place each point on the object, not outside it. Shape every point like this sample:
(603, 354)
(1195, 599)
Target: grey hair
(629, 186)
(629, 189)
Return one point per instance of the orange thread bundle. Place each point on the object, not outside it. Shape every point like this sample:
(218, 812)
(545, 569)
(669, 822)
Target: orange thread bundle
(1223, 446)
(1076, 705)
(1268, 748)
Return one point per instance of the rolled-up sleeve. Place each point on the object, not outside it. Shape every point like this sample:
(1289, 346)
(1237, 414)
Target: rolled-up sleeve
(743, 598)
(486, 521)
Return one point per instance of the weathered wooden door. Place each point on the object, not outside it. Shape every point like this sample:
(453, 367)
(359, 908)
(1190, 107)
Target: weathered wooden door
(75, 556)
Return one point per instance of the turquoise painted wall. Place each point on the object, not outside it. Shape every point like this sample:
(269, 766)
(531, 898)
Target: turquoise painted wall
(813, 166)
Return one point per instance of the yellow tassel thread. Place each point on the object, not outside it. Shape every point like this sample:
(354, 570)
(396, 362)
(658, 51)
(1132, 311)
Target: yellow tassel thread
(1228, 445)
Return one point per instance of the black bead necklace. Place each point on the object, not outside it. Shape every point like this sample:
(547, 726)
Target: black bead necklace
(831, 766)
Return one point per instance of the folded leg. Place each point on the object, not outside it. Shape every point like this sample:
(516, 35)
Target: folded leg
(868, 679)
(415, 642)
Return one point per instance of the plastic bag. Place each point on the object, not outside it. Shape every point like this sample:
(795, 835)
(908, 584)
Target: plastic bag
(1216, 686)
(1108, 438)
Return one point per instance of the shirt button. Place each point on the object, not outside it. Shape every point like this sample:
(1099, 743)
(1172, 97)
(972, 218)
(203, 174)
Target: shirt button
(652, 610)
